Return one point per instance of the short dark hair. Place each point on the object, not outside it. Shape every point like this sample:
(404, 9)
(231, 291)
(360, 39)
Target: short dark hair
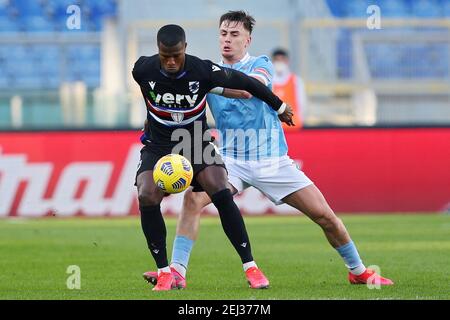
(280, 52)
(239, 16)
(170, 35)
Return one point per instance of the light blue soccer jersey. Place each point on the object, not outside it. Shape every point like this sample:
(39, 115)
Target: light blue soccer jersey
(249, 129)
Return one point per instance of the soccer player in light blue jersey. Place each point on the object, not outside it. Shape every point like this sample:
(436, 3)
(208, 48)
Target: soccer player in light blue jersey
(254, 149)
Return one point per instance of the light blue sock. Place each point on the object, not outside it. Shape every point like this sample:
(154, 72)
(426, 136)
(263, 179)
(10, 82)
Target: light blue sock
(351, 257)
(182, 247)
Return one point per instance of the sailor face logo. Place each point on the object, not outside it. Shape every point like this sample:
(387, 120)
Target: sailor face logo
(194, 86)
(177, 116)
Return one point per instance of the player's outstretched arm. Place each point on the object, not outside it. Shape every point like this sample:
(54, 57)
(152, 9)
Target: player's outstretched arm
(231, 93)
(233, 79)
(287, 116)
(236, 94)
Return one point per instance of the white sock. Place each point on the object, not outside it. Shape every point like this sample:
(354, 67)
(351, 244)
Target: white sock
(179, 268)
(165, 269)
(248, 265)
(358, 270)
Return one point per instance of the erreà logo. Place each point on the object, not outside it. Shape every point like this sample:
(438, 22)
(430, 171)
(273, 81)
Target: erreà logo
(169, 98)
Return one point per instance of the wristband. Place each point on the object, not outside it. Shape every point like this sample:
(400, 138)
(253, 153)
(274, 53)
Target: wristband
(282, 108)
(217, 90)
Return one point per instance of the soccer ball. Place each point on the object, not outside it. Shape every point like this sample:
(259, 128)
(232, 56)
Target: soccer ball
(173, 173)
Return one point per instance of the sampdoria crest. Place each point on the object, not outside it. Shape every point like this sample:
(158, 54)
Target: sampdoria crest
(194, 86)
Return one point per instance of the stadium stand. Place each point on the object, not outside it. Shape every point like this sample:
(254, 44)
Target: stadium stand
(392, 8)
(395, 60)
(36, 61)
(50, 15)
(26, 66)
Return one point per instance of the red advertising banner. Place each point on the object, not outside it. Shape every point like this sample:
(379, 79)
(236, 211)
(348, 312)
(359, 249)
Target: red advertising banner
(358, 170)
(378, 170)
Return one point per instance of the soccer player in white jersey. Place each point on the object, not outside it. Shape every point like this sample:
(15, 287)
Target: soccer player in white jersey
(268, 169)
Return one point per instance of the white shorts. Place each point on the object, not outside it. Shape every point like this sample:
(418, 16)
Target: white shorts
(276, 178)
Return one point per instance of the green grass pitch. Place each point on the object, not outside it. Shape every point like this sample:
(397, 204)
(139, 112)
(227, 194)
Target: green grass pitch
(413, 250)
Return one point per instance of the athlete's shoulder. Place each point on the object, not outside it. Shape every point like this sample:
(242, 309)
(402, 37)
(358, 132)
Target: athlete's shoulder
(203, 69)
(144, 61)
(194, 59)
(142, 65)
(262, 68)
(201, 64)
(263, 60)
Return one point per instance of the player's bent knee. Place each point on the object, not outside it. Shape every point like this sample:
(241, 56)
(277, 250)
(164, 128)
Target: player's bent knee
(213, 179)
(323, 216)
(149, 198)
(329, 221)
(194, 202)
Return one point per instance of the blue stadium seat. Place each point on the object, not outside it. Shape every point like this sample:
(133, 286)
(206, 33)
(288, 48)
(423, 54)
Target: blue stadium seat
(9, 25)
(104, 8)
(344, 54)
(446, 8)
(16, 52)
(408, 61)
(3, 11)
(3, 78)
(426, 8)
(394, 9)
(355, 8)
(336, 8)
(28, 8)
(37, 24)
